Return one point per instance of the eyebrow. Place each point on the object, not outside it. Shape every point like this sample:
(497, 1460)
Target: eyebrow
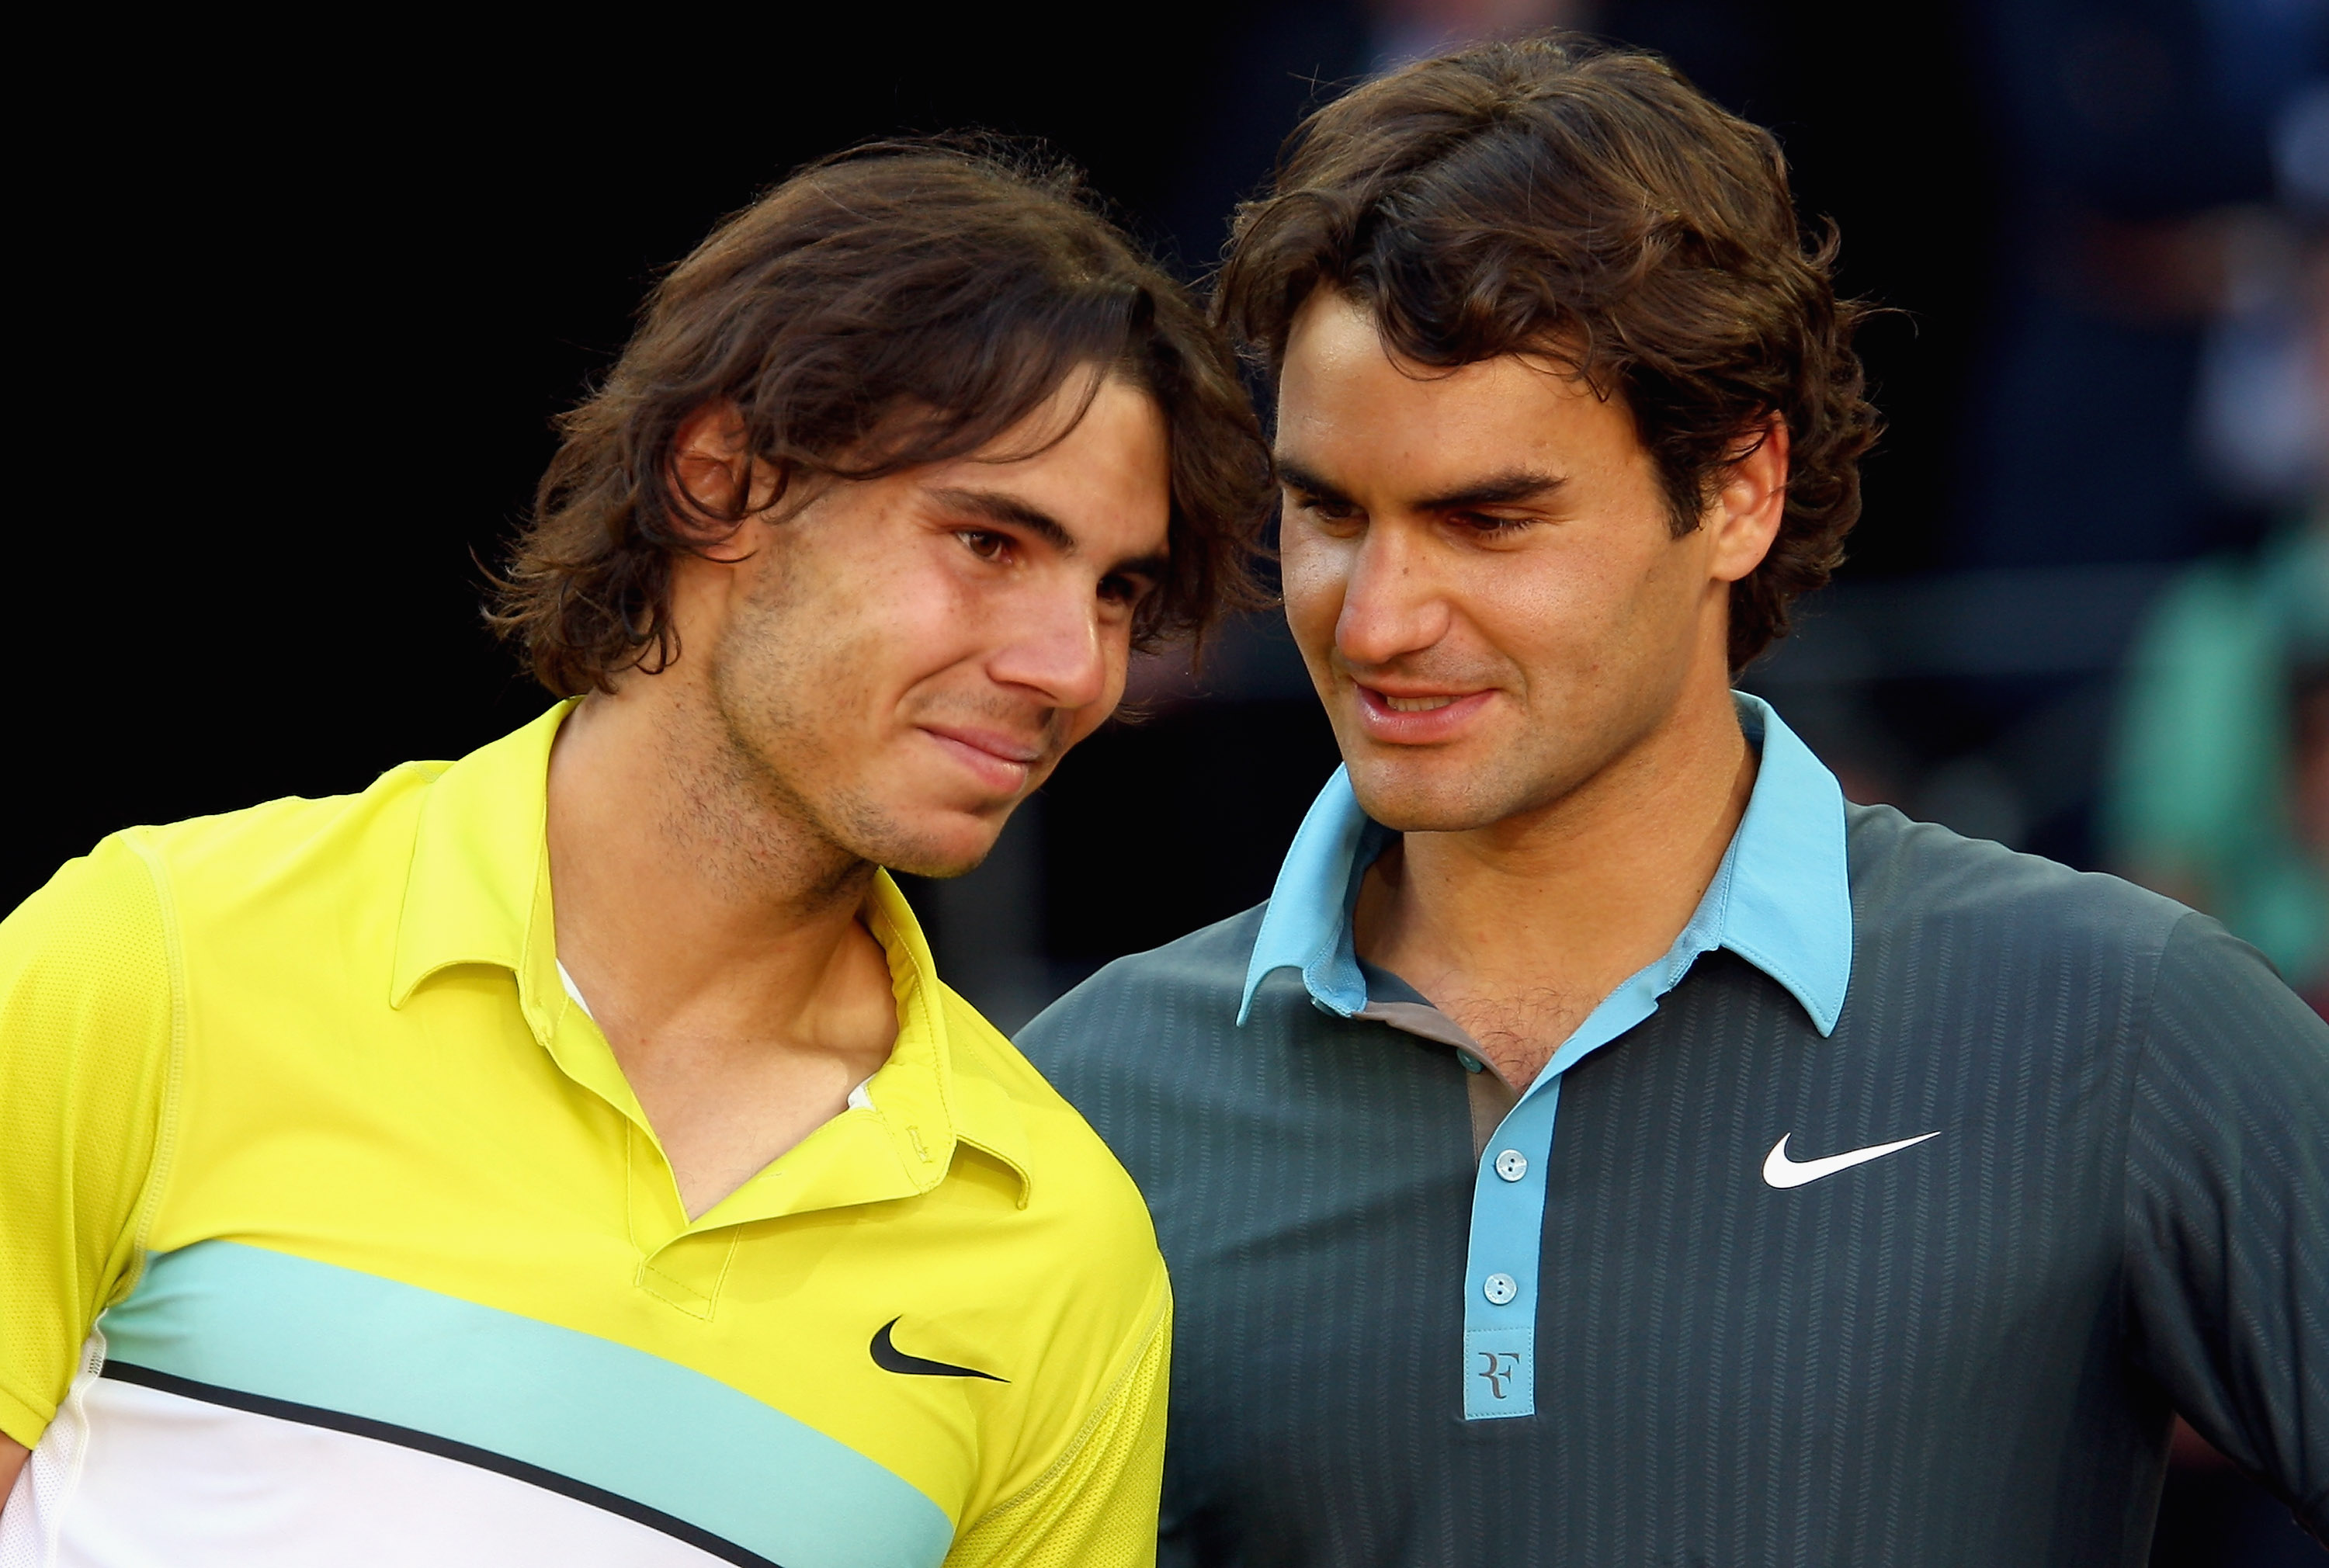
(1296, 477)
(1513, 485)
(997, 506)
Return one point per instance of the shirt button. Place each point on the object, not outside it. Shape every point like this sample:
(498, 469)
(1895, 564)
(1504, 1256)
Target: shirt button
(1511, 1165)
(1500, 1289)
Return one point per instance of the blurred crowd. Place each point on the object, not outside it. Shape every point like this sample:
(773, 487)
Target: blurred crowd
(2157, 395)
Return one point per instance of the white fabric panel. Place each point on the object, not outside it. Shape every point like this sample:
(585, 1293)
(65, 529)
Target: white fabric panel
(28, 1525)
(141, 1478)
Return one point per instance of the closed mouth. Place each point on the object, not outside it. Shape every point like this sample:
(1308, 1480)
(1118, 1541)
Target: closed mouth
(999, 747)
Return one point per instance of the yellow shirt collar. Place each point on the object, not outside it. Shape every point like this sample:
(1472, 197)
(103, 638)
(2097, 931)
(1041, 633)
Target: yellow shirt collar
(478, 892)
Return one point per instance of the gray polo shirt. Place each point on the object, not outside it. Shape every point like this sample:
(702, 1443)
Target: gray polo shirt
(1886, 1218)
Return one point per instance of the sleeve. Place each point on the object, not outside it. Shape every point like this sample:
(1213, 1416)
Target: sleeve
(1097, 1507)
(86, 1021)
(2227, 1212)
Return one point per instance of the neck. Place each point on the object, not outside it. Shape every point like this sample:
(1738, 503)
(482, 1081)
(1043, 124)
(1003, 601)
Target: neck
(1519, 928)
(682, 887)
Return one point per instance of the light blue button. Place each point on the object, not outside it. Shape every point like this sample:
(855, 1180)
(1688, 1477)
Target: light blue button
(1511, 1165)
(1500, 1289)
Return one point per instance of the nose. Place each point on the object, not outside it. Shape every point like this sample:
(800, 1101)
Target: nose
(1055, 647)
(1391, 605)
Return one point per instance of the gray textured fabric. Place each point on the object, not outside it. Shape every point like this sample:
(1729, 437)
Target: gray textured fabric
(1965, 1354)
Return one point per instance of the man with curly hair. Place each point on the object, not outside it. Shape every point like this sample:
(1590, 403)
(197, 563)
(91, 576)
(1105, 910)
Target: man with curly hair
(1607, 1145)
(568, 1155)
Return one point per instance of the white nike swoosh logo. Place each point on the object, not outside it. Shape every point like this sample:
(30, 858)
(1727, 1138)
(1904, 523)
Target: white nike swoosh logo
(1781, 1171)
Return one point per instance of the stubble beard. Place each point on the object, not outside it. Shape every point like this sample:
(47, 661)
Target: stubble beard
(1533, 773)
(779, 791)
(1462, 800)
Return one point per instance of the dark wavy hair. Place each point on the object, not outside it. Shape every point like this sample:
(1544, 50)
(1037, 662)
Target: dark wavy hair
(1557, 197)
(901, 304)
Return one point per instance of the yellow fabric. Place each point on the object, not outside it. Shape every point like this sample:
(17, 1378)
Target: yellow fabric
(1098, 1502)
(86, 1028)
(335, 1028)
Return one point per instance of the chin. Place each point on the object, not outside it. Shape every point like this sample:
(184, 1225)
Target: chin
(936, 843)
(1426, 798)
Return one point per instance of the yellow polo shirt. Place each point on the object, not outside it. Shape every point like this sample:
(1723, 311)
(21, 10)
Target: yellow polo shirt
(330, 1231)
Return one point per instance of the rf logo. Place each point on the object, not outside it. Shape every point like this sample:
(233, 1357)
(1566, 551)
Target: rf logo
(1499, 1371)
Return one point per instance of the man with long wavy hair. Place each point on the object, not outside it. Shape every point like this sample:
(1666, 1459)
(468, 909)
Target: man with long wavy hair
(1607, 1145)
(568, 1155)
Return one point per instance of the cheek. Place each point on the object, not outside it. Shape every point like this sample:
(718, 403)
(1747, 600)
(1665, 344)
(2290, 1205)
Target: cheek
(1535, 604)
(1678, 584)
(828, 632)
(1572, 611)
(909, 616)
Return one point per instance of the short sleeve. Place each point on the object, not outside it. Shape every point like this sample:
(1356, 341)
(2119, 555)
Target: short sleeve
(2227, 1212)
(1097, 1507)
(85, 1041)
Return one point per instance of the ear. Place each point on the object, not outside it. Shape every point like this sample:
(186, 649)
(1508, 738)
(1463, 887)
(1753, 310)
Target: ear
(1748, 508)
(714, 472)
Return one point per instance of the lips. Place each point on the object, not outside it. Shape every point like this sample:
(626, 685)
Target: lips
(1418, 718)
(1000, 761)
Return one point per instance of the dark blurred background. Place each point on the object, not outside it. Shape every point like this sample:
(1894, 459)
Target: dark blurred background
(300, 301)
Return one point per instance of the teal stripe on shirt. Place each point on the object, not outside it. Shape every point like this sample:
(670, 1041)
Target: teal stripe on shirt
(618, 1418)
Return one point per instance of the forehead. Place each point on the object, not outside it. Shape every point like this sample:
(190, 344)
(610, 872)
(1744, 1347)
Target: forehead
(1111, 467)
(1347, 402)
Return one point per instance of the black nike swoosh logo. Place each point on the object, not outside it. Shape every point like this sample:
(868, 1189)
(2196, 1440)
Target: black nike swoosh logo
(890, 1358)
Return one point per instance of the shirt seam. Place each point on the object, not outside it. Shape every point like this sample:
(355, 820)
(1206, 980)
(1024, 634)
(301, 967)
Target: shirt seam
(1102, 1408)
(162, 1165)
(2125, 1128)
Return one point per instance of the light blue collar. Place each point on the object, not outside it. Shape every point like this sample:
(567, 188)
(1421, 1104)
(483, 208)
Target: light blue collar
(1782, 899)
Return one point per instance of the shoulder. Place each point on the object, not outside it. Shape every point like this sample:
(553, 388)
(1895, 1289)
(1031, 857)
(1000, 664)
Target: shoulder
(1911, 875)
(1150, 1049)
(146, 884)
(160, 917)
(263, 852)
(1136, 1004)
(1076, 1190)
(112, 886)
(2070, 954)
(2224, 1028)
(85, 974)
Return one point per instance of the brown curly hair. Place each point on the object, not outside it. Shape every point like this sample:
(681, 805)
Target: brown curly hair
(901, 304)
(1557, 197)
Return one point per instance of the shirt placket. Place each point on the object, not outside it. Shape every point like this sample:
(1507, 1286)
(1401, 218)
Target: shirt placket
(1503, 1268)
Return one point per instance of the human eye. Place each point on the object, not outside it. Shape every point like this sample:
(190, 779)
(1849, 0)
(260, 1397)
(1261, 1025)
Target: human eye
(1116, 588)
(1491, 528)
(985, 543)
(1325, 511)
